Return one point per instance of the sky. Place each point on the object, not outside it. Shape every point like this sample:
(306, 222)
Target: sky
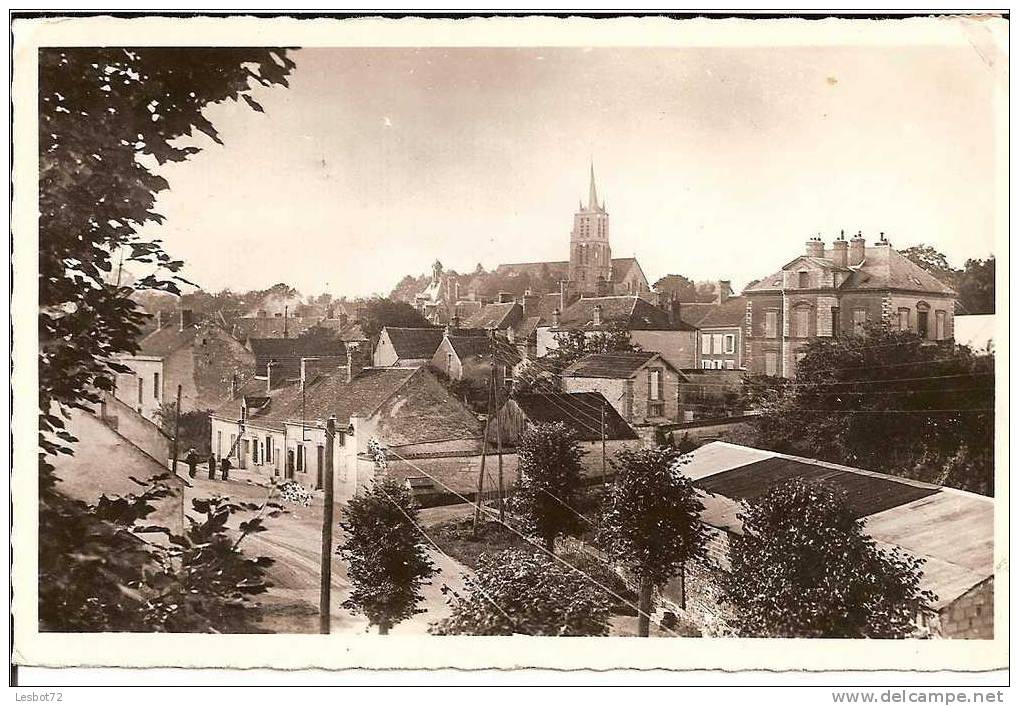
(715, 163)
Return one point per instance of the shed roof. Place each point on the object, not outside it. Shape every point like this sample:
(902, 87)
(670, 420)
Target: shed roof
(951, 529)
(580, 411)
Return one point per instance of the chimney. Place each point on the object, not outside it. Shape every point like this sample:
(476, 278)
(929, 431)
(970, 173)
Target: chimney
(815, 247)
(269, 376)
(724, 291)
(355, 360)
(883, 240)
(186, 318)
(530, 303)
(304, 372)
(857, 249)
(233, 386)
(840, 250)
(505, 297)
(596, 315)
(555, 318)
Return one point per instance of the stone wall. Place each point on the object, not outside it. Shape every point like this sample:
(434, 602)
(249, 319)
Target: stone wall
(971, 615)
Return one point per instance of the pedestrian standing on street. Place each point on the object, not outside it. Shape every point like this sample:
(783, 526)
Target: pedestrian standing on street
(212, 466)
(191, 458)
(224, 468)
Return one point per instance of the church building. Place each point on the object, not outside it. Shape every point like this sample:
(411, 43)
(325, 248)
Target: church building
(591, 269)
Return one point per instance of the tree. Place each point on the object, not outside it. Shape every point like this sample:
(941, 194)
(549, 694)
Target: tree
(518, 592)
(544, 374)
(888, 402)
(99, 571)
(651, 525)
(379, 313)
(387, 563)
(550, 480)
(103, 113)
(934, 262)
(975, 286)
(677, 287)
(195, 428)
(803, 567)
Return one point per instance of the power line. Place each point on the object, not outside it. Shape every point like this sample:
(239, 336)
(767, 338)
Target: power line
(530, 541)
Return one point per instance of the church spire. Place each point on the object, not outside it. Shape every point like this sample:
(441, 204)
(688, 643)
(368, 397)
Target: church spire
(592, 199)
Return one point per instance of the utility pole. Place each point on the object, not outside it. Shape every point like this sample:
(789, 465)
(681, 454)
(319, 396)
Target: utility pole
(484, 440)
(173, 457)
(286, 310)
(603, 441)
(498, 447)
(325, 588)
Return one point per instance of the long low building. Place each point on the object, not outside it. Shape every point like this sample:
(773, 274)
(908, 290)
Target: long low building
(951, 530)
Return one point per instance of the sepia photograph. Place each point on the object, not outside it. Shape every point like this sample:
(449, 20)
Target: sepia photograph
(680, 335)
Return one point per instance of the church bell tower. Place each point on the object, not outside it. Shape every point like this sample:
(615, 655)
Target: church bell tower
(590, 256)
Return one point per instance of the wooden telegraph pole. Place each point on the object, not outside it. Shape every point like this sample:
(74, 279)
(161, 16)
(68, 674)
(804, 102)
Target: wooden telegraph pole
(325, 588)
(484, 439)
(603, 442)
(498, 451)
(173, 457)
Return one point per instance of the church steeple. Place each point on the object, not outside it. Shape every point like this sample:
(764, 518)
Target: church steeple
(590, 270)
(592, 198)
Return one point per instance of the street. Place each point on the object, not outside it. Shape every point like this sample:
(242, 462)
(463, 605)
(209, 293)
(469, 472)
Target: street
(293, 540)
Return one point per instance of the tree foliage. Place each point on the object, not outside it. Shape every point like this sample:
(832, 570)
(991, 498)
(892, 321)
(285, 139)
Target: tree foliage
(651, 524)
(379, 313)
(677, 288)
(104, 115)
(102, 568)
(550, 480)
(519, 592)
(803, 567)
(974, 283)
(544, 374)
(888, 401)
(385, 553)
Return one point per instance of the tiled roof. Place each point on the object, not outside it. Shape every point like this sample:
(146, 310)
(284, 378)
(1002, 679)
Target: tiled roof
(951, 529)
(627, 312)
(162, 342)
(693, 313)
(731, 314)
(276, 348)
(414, 343)
(559, 268)
(493, 316)
(611, 365)
(581, 411)
(883, 267)
(525, 328)
(482, 347)
(269, 326)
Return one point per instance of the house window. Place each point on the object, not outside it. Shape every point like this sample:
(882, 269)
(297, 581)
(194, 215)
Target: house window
(859, 321)
(705, 344)
(716, 342)
(836, 323)
(320, 468)
(141, 388)
(268, 449)
(706, 364)
(654, 391)
(804, 280)
(219, 443)
(155, 385)
(730, 365)
(921, 323)
(903, 319)
(770, 324)
(254, 452)
(300, 457)
(730, 343)
(939, 325)
(770, 363)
